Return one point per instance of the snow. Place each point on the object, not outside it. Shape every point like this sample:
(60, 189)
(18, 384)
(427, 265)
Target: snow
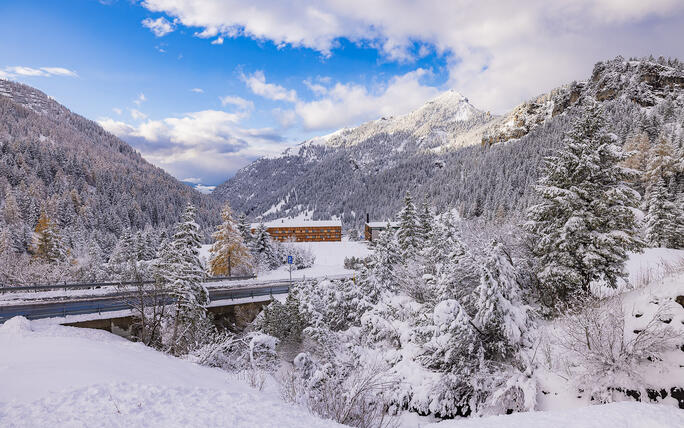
(329, 261)
(382, 224)
(64, 376)
(622, 415)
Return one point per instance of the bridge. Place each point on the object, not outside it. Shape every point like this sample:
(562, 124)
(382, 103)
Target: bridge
(109, 305)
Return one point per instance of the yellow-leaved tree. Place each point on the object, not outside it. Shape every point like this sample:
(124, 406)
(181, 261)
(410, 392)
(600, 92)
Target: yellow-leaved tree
(230, 250)
(47, 242)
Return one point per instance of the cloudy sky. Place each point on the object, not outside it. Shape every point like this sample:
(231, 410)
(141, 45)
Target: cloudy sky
(201, 88)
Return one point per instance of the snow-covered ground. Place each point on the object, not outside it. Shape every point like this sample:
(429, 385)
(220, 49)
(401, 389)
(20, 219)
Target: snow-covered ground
(615, 415)
(329, 259)
(59, 376)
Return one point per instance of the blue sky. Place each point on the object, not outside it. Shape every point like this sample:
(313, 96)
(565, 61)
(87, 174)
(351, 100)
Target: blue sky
(203, 88)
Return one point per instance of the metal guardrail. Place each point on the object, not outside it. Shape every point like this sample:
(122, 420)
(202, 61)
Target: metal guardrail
(103, 305)
(85, 285)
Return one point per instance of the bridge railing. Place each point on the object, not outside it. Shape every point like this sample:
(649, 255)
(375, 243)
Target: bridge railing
(86, 285)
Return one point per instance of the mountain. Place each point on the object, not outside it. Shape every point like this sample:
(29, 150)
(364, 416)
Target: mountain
(86, 179)
(450, 153)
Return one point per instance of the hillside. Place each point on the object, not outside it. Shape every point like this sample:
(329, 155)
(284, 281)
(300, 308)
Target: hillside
(452, 154)
(90, 182)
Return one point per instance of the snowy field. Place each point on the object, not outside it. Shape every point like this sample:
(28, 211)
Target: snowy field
(329, 259)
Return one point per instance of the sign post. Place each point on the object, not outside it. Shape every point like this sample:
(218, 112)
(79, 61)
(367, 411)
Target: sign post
(289, 262)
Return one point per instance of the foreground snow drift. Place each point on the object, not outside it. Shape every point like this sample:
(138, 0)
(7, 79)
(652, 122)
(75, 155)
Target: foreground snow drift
(61, 376)
(617, 415)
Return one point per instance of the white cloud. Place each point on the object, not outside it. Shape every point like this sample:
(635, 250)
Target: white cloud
(117, 111)
(237, 101)
(218, 41)
(15, 71)
(498, 53)
(197, 90)
(348, 104)
(193, 180)
(141, 99)
(209, 145)
(160, 26)
(204, 189)
(137, 114)
(256, 82)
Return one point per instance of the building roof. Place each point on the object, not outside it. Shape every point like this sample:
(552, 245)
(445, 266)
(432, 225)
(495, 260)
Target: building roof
(294, 222)
(381, 224)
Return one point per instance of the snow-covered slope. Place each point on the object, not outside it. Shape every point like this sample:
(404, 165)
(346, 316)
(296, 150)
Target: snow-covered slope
(615, 415)
(449, 152)
(59, 376)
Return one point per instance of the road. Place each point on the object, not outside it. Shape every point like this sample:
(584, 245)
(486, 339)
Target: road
(100, 304)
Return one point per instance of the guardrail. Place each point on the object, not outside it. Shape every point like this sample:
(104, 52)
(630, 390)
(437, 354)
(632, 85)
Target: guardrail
(84, 285)
(103, 305)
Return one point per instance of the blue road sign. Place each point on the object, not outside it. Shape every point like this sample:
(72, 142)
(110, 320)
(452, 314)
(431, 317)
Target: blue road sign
(289, 260)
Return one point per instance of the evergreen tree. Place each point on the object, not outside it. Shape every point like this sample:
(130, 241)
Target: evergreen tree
(229, 249)
(501, 314)
(425, 224)
(263, 248)
(408, 228)
(584, 225)
(661, 219)
(245, 230)
(48, 244)
(181, 258)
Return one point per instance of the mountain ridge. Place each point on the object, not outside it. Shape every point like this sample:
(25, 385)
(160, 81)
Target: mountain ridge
(368, 168)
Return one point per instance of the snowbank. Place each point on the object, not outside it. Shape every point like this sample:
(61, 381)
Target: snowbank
(617, 415)
(63, 376)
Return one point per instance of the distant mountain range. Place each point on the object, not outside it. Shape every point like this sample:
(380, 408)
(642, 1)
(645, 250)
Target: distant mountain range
(447, 152)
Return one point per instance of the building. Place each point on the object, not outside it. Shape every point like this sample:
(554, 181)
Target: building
(374, 228)
(287, 229)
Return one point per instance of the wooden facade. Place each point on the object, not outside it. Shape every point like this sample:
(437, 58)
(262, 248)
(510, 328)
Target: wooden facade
(372, 230)
(303, 231)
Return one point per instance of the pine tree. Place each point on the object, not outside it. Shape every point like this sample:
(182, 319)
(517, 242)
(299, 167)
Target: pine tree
(661, 219)
(408, 228)
(229, 250)
(584, 225)
(501, 315)
(47, 242)
(263, 248)
(245, 230)
(425, 224)
(181, 258)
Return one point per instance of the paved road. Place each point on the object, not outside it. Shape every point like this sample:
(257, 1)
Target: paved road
(92, 305)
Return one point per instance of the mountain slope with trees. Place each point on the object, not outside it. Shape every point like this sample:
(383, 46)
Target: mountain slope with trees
(491, 171)
(91, 184)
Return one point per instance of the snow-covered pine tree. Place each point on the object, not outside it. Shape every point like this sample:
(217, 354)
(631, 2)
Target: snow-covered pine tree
(661, 219)
(229, 250)
(454, 339)
(186, 287)
(501, 315)
(263, 248)
(48, 244)
(584, 225)
(408, 235)
(245, 230)
(425, 224)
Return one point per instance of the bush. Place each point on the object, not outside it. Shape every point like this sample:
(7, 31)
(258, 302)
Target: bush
(302, 257)
(604, 358)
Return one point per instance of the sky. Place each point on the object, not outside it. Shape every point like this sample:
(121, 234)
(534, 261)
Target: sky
(203, 88)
